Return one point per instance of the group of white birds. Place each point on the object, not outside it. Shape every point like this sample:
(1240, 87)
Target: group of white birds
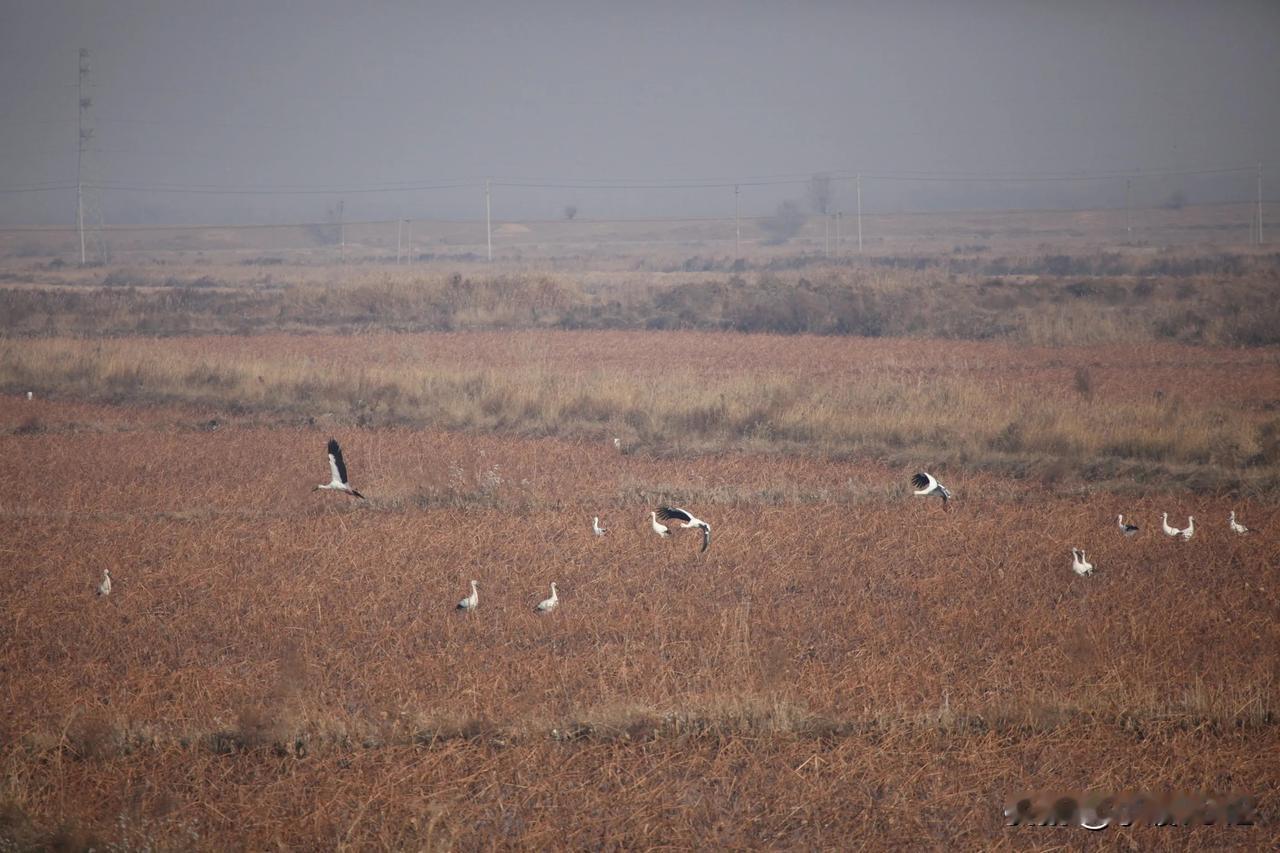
(926, 485)
(1081, 565)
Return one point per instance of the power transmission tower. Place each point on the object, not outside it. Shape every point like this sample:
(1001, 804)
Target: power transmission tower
(88, 205)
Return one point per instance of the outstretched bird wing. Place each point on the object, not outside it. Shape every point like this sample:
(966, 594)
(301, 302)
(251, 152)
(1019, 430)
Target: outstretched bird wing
(669, 513)
(924, 482)
(336, 464)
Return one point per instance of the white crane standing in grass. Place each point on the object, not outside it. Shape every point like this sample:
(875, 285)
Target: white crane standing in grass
(471, 602)
(1079, 564)
(1126, 529)
(1190, 529)
(926, 485)
(1169, 529)
(595, 526)
(617, 444)
(686, 519)
(104, 585)
(549, 604)
(660, 529)
(338, 469)
(1236, 527)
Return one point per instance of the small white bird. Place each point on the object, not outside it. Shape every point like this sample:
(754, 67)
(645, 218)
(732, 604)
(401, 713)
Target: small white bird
(29, 396)
(549, 604)
(926, 485)
(471, 601)
(617, 444)
(1190, 529)
(1126, 529)
(338, 469)
(104, 586)
(1236, 527)
(595, 526)
(1078, 563)
(660, 529)
(686, 519)
(1169, 530)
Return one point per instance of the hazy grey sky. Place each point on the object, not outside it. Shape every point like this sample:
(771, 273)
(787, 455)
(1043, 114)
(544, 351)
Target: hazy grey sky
(253, 94)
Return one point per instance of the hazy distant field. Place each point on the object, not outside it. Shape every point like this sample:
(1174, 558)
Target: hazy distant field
(847, 666)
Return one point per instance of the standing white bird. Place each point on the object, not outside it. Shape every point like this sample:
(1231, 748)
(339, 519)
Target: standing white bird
(1236, 527)
(660, 529)
(472, 601)
(1169, 530)
(338, 469)
(104, 586)
(1079, 564)
(617, 444)
(29, 396)
(1126, 529)
(926, 485)
(686, 519)
(1190, 529)
(549, 604)
(595, 526)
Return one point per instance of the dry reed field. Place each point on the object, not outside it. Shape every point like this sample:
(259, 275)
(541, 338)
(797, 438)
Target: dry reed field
(847, 666)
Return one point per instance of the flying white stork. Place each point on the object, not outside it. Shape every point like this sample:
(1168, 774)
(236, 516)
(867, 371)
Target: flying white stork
(338, 468)
(658, 528)
(595, 526)
(549, 604)
(1126, 529)
(1236, 527)
(686, 519)
(1079, 564)
(472, 601)
(104, 586)
(1190, 529)
(1169, 530)
(926, 485)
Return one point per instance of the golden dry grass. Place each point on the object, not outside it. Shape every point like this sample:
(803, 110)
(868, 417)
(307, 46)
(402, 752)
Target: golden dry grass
(1206, 417)
(846, 665)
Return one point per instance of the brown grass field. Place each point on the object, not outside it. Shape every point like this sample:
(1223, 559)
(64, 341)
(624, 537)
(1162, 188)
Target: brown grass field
(847, 667)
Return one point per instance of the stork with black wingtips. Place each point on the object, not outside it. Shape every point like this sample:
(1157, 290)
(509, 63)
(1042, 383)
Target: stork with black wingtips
(687, 521)
(338, 470)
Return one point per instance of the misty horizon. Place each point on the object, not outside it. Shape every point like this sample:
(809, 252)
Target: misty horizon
(237, 113)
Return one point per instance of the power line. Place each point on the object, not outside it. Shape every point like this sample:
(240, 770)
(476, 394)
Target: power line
(651, 220)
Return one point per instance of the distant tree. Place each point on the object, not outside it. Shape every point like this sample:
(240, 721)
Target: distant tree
(785, 223)
(326, 233)
(570, 211)
(821, 193)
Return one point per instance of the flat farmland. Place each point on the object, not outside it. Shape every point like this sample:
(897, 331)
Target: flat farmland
(846, 666)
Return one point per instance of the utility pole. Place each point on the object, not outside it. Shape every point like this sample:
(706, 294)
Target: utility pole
(839, 216)
(737, 224)
(1259, 204)
(488, 222)
(85, 135)
(409, 259)
(342, 231)
(859, 213)
(399, 230)
(826, 234)
(1128, 210)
